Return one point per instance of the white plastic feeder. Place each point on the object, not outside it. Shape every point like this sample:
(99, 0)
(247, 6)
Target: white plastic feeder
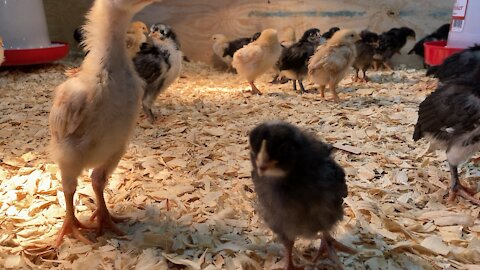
(465, 27)
(23, 27)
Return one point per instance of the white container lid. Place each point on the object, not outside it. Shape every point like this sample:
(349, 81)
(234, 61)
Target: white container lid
(465, 26)
(23, 24)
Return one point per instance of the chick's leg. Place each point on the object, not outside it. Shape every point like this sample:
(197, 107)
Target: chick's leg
(255, 89)
(147, 102)
(458, 189)
(328, 249)
(333, 87)
(289, 254)
(302, 89)
(322, 91)
(365, 78)
(294, 85)
(99, 180)
(355, 77)
(71, 225)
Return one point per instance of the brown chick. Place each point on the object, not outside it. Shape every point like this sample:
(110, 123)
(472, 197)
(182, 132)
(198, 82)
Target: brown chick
(2, 54)
(94, 113)
(257, 57)
(332, 59)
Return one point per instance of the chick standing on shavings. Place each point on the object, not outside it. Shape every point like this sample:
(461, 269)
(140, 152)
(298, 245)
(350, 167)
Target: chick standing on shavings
(449, 119)
(390, 43)
(2, 54)
(94, 113)
(293, 61)
(159, 64)
(331, 61)
(440, 34)
(300, 187)
(258, 57)
(365, 50)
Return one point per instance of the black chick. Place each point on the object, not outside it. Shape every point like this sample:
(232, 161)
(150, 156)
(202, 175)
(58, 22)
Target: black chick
(299, 185)
(464, 64)
(159, 64)
(293, 61)
(390, 43)
(238, 43)
(440, 34)
(449, 119)
(365, 51)
(330, 32)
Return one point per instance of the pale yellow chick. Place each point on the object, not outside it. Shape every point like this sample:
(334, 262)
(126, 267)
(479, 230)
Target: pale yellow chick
(258, 57)
(330, 63)
(288, 37)
(94, 113)
(2, 54)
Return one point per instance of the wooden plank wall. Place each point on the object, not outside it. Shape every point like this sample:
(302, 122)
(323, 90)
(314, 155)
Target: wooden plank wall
(195, 21)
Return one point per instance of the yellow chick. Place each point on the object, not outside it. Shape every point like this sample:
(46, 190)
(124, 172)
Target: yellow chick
(256, 58)
(94, 113)
(2, 54)
(288, 37)
(331, 61)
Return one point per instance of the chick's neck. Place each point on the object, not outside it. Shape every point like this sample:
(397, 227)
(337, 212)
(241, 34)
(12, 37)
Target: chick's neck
(106, 35)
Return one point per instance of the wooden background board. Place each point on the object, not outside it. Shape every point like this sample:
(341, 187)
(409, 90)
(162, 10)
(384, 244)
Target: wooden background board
(195, 21)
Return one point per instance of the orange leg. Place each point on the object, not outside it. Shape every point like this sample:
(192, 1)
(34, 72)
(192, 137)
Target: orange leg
(458, 189)
(322, 91)
(104, 219)
(289, 250)
(255, 89)
(71, 225)
(333, 88)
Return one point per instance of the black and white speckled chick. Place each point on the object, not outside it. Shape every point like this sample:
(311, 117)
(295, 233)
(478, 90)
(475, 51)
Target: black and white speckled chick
(440, 34)
(365, 51)
(449, 119)
(293, 62)
(159, 64)
(464, 64)
(299, 185)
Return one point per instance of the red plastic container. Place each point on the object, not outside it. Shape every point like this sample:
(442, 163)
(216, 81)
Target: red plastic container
(18, 57)
(437, 51)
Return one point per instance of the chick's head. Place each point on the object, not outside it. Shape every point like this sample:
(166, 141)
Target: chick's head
(268, 36)
(275, 148)
(162, 31)
(312, 35)
(344, 37)
(138, 26)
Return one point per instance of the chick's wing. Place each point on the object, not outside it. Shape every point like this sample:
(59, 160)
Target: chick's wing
(249, 55)
(333, 59)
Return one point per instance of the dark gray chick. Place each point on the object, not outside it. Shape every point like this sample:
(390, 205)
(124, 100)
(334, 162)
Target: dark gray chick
(299, 185)
(365, 51)
(159, 64)
(449, 119)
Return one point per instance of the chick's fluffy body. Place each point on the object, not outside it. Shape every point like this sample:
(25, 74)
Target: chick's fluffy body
(331, 61)
(309, 198)
(257, 57)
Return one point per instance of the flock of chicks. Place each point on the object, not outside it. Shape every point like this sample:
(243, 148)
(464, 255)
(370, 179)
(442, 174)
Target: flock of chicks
(324, 58)
(299, 185)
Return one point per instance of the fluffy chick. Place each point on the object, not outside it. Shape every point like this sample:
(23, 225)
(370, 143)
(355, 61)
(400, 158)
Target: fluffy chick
(448, 118)
(300, 187)
(235, 45)
(329, 34)
(2, 53)
(293, 61)
(390, 43)
(331, 61)
(464, 64)
(440, 34)
(94, 113)
(159, 64)
(257, 57)
(365, 50)
(136, 35)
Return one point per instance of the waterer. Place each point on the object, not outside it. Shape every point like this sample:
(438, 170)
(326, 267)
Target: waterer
(464, 32)
(23, 27)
